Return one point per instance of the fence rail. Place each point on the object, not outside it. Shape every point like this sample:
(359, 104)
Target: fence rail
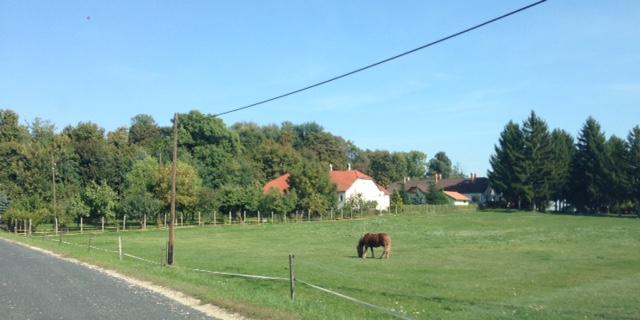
(22, 226)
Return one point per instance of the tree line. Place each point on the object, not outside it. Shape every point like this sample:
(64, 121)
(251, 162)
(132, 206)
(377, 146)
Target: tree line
(533, 168)
(98, 174)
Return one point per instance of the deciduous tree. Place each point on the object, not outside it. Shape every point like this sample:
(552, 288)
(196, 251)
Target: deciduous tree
(440, 164)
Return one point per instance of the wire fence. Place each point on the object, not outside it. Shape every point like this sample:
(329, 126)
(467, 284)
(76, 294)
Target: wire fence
(26, 227)
(121, 254)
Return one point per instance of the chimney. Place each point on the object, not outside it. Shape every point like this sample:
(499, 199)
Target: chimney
(349, 166)
(330, 167)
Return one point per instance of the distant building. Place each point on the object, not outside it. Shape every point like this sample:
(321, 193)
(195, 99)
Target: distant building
(477, 189)
(456, 198)
(348, 183)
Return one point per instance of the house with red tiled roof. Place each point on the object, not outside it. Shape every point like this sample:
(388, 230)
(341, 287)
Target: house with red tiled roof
(475, 188)
(348, 183)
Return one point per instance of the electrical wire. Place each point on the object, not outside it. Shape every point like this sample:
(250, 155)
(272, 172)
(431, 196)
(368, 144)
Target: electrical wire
(459, 33)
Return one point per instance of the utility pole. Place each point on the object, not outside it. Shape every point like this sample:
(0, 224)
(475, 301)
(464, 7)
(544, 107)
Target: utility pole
(53, 183)
(172, 232)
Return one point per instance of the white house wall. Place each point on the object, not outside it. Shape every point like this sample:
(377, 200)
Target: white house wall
(370, 192)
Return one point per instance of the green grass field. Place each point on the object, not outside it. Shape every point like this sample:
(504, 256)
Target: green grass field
(483, 265)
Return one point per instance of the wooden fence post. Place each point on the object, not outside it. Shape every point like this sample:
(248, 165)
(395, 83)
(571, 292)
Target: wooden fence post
(56, 218)
(259, 221)
(124, 223)
(81, 226)
(165, 221)
(244, 216)
(292, 277)
(144, 222)
(120, 247)
(214, 216)
(102, 221)
(271, 216)
(309, 215)
(230, 217)
(29, 227)
(199, 219)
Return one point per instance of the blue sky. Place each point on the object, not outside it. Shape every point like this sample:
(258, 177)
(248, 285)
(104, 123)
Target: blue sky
(106, 61)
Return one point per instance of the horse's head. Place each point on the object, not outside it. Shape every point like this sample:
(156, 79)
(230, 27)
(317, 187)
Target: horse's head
(360, 248)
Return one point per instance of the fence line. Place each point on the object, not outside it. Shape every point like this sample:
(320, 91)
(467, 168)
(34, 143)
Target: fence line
(140, 258)
(370, 305)
(251, 276)
(239, 218)
(97, 231)
(237, 274)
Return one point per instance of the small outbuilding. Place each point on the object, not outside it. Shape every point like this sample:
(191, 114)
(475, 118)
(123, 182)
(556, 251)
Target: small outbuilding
(458, 199)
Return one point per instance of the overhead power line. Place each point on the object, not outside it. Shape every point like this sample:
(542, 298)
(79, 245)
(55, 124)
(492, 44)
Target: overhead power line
(459, 33)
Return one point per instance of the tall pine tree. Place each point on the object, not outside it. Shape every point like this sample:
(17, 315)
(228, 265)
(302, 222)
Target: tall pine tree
(633, 140)
(538, 169)
(618, 173)
(589, 174)
(562, 153)
(507, 171)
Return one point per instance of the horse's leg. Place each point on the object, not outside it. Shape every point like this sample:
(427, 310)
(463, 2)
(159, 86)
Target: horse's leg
(386, 252)
(372, 255)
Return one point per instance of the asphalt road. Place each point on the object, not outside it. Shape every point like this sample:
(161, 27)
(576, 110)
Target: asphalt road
(34, 285)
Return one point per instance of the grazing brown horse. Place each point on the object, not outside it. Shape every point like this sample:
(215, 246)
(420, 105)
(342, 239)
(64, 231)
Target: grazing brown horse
(371, 240)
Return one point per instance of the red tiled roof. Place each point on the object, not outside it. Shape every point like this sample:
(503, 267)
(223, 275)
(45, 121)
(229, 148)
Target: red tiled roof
(456, 196)
(280, 183)
(342, 179)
